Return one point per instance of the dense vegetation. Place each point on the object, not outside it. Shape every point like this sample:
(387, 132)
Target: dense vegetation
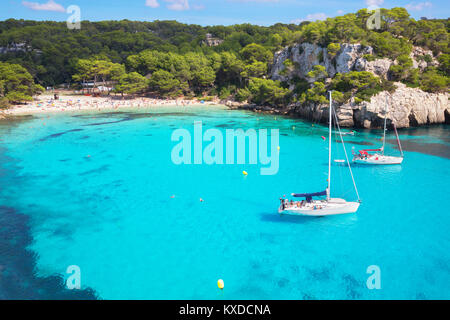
(169, 59)
(16, 84)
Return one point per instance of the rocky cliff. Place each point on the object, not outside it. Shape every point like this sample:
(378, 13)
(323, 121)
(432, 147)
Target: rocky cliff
(407, 106)
(350, 57)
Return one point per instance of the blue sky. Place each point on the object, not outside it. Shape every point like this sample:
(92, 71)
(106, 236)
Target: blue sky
(210, 12)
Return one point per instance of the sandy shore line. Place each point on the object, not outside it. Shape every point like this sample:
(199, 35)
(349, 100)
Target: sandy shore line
(47, 104)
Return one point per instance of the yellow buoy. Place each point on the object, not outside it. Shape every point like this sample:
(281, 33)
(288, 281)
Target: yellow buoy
(245, 173)
(278, 148)
(220, 284)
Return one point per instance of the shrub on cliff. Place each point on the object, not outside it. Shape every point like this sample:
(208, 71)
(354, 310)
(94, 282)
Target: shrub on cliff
(317, 93)
(362, 85)
(444, 64)
(432, 81)
(318, 72)
(401, 70)
(333, 49)
(386, 45)
(404, 71)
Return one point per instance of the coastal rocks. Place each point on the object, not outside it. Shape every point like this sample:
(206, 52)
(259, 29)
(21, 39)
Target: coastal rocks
(320, 113)
(345, 116)
(447, 116)
(407, 107)
(233, 104)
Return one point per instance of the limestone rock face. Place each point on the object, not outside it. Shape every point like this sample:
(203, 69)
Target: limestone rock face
(407, 107)
(419, 56)
(349, 55)
(278, 66)
(379, 67)
(307, 55)
(304, 55)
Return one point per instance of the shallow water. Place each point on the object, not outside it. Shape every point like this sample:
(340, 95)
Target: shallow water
(95, 190)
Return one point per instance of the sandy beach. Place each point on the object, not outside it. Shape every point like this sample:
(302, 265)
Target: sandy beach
(47, 104)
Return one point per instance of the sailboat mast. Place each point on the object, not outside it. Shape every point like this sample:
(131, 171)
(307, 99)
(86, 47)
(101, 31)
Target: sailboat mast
(329, 153)
(385, 119)
(398, 140)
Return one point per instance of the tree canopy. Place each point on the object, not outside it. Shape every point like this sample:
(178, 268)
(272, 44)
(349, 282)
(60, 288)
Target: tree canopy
(16, 84)
(169, 59)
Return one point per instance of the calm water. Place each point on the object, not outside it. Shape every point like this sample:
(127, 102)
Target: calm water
(95, 190)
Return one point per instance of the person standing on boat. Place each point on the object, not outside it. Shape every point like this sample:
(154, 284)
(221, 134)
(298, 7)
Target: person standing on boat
(283, 206)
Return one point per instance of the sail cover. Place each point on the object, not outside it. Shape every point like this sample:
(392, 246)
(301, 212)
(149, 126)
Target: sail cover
(309, 196)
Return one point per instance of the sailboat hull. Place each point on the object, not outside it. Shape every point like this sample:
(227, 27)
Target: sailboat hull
(320, 208)
(379, 159)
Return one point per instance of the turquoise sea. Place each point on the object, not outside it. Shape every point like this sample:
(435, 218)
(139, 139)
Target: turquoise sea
(99, 190)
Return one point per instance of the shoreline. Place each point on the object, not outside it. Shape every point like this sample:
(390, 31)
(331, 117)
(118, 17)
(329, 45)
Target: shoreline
(70, 103)
(46, 104)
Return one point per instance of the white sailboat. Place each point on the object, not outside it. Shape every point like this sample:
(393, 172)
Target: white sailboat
(324, 207)
(367, 156)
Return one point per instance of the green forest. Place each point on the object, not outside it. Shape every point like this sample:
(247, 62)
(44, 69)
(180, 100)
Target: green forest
(171, 59)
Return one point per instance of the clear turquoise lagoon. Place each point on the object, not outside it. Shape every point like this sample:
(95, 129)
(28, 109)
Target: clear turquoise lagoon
(96, 190)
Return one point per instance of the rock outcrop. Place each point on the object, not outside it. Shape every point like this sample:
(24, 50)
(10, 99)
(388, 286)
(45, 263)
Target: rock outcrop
(407, 106)
(305, 56)
(379, 67)
(350, 57)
